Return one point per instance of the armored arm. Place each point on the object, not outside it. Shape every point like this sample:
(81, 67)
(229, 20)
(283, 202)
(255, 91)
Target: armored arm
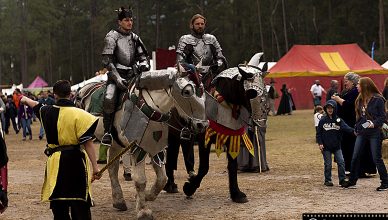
(115, 76)
(141, 54)
(184, 49)
(221, 62)
(108, 59)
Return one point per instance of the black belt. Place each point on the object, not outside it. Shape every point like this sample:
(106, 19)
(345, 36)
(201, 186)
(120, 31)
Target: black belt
(49, 151)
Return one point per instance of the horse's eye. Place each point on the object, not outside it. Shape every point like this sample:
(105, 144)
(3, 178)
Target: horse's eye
(188, 91)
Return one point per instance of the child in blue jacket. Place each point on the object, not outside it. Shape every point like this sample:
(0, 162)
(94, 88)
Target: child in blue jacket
(329, 135)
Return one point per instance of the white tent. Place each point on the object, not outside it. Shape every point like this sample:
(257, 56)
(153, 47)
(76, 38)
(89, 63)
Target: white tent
(385, 65)
(10, 90)
(270, 64)
(98, 78)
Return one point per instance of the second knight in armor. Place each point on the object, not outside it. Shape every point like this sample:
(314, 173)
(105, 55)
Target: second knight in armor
(194, 48)
(124, 55)
(199, 47)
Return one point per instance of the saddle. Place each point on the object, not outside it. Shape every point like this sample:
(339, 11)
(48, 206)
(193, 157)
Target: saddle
(96, 92)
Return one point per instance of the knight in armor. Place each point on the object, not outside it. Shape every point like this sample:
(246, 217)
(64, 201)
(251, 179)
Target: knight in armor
(202, 50)
(124, 55)
(199, 47)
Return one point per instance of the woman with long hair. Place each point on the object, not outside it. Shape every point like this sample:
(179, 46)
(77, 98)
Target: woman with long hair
(346, 105)
(370, 116)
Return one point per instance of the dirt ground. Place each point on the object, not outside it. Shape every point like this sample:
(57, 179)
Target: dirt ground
(293, 186)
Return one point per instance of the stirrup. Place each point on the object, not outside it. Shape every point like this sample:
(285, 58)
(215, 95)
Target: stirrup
(107, 135)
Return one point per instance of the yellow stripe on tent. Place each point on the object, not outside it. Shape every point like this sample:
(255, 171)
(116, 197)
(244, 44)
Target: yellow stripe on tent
(334, 61)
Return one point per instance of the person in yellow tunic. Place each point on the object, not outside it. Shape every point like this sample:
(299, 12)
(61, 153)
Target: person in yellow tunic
(67, 176)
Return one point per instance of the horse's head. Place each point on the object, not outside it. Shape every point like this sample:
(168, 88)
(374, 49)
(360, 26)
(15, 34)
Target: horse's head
(255, 88)
(244, 85)
(189, 97)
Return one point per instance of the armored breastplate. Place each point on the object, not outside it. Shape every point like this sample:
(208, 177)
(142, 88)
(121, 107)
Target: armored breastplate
(202, 51)
(122, 47)
(125, 51)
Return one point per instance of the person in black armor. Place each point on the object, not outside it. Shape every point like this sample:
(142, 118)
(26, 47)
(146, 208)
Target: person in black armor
(124, 55)
(194, 48)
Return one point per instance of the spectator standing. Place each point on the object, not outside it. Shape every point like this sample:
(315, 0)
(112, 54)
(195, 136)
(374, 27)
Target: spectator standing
(329, 134)
(346, 111)
(10, 115)
(333, 89)
(385, 91)
(317, 117)
(25, 117)
(286, 104)
(45, 99)
(316, 91)
(272, 95)
(2, 112)
(370, 115)
(17, 95)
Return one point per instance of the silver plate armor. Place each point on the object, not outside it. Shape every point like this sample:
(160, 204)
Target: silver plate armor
(123, 48)
(201, 49)
(165, 78)
(229, 73)
(151, 136)
(222, 114)
(256, 82)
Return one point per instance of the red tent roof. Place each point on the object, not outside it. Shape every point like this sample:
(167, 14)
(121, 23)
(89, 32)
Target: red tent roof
(37, 83)
(304, 64)
(325, 60)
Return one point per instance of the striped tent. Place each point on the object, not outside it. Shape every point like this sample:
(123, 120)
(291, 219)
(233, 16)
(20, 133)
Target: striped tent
(304, 64)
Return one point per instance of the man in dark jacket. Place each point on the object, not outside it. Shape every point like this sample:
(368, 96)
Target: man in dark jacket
(10, 115)
(329, 135)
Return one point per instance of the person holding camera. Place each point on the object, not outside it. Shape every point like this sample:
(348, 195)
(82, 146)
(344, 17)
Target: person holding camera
(370, 115)
(346, 110)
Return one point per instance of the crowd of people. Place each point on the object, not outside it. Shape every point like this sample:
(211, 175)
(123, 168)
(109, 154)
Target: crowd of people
(20, 116)
(347, 125)
(351, 131)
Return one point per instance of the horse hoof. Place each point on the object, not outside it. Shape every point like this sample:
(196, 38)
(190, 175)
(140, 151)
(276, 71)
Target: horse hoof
(189, 189)
(239, 197)
(145, 214)
(171, 187)
(120, 206)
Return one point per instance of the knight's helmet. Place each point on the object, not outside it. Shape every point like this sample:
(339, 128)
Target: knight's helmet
(123, 12)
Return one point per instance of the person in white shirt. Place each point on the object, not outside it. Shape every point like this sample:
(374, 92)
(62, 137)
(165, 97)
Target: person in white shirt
(316, 91)
(318, 113)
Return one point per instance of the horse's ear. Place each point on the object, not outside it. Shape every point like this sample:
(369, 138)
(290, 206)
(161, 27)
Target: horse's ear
(181, 70)
(265, 67)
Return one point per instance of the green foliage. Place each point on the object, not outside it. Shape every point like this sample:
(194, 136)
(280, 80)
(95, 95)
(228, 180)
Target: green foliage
(65, 37)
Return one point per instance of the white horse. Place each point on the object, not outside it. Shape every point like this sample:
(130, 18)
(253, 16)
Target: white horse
(143, 118)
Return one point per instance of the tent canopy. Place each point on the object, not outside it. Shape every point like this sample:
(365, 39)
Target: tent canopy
(304, 64)
(38, 83)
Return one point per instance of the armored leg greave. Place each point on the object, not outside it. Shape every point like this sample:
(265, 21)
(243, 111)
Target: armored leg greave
(108, 115)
